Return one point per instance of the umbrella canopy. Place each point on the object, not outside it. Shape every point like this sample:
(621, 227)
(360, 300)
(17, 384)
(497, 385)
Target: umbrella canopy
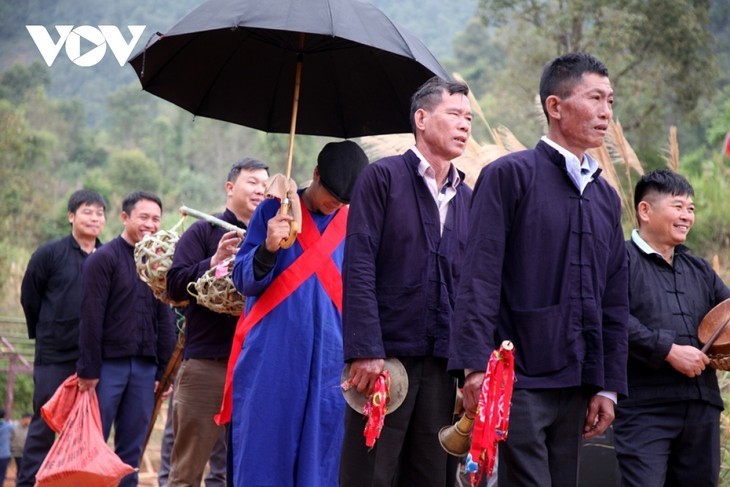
(236, 60)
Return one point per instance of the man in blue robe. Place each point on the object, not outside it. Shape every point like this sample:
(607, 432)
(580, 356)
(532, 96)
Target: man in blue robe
(287, 409)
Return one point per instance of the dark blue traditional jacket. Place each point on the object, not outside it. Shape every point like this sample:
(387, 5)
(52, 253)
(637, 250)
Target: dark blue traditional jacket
(545, 267)
(400, 274)
(120, 316)
(668, 303)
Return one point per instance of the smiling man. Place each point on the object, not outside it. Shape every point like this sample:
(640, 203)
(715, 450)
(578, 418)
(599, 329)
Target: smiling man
(208, 335)
(668, 430)
(51, 298)
(126, 336)
(545, 267)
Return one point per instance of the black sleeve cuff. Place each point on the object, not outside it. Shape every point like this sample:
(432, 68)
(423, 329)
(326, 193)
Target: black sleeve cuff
(263, 262)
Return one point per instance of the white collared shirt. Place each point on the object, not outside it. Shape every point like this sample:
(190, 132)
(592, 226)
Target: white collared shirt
(641, 243)
(442, 195)
(580, 172)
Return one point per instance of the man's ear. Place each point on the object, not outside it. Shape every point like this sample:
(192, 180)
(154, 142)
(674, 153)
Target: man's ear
(642, 211)
(553, 106)
(419, 118)
(71, 216)
(229, 187)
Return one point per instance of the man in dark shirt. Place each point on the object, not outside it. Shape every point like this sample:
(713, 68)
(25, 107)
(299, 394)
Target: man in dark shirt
(208, 335)
(405, 242)
(545, 267)
(667, 431)
(126, 336)
(51, 298)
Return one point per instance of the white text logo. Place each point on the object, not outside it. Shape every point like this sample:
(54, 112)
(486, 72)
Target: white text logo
(71, 36)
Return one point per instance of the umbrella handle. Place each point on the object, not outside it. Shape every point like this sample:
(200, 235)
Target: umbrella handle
(285, 243)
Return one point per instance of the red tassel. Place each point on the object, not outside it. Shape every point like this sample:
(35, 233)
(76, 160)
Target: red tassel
(491, 422)
(376, 408)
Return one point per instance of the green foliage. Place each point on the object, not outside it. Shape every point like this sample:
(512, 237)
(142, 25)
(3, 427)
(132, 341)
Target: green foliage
(17, 81)
(130, 170)
(659, 53)
(22, 393)
(24, 156)
(711, 231)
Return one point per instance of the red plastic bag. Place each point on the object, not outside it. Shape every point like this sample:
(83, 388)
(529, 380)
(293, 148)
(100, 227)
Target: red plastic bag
(55, 412)
(80, 456)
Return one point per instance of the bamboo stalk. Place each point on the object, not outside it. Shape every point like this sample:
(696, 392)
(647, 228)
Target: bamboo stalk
(184, 210)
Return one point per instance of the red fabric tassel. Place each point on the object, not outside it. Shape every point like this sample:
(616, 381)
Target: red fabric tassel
(376, 408)
(491, 422)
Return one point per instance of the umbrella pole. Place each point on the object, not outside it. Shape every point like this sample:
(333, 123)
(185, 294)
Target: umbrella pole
(294, 111)
(285, 203)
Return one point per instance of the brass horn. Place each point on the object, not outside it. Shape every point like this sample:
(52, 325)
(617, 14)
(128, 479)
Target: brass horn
(456, 439)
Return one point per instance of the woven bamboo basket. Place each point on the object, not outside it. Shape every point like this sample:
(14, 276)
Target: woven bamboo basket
(153, 258)
(215, 290)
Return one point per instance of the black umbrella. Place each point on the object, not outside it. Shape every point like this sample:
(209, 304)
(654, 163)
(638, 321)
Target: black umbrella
(237, 61)
(339, 68)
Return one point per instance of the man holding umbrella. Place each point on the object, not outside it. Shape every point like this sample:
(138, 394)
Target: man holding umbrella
(287, 410)
(405, 242)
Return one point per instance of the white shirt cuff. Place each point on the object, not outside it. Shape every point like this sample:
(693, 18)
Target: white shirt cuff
(609, 394)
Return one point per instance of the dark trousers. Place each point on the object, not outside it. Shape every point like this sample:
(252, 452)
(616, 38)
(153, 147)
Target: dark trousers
(545, 431)
(46, 379)
(18, 465)
(4, 462)
(668, 444)
(408, 452)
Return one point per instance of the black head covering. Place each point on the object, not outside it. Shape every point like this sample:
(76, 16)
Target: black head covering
(339, 164)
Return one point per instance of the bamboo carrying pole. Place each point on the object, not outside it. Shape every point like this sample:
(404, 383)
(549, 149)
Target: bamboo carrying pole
(184, 210)
(165, 382)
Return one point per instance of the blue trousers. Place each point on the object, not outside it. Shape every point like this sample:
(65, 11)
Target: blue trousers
(126, 392)
(46, 379)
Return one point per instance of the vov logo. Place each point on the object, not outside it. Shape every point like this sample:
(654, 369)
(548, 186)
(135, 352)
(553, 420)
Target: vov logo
(70, 36)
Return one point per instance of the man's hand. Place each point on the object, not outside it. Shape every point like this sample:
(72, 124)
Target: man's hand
(472, 390)
(165, 394)
(687, 359)
(277, 230)
(87, 384)
(599, 416)
(227, 247)
(364, 372)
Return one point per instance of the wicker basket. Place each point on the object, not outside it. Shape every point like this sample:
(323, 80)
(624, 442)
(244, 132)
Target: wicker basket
(215, 290)
(153, 258)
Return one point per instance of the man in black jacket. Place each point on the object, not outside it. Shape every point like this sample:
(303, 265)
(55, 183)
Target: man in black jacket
(668, 429)
(126, 336)
(51, 298)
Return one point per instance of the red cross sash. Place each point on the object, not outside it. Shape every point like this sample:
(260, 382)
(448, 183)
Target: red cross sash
(316, 258)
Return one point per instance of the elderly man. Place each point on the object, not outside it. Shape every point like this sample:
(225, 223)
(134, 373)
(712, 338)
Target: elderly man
(403, 256)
